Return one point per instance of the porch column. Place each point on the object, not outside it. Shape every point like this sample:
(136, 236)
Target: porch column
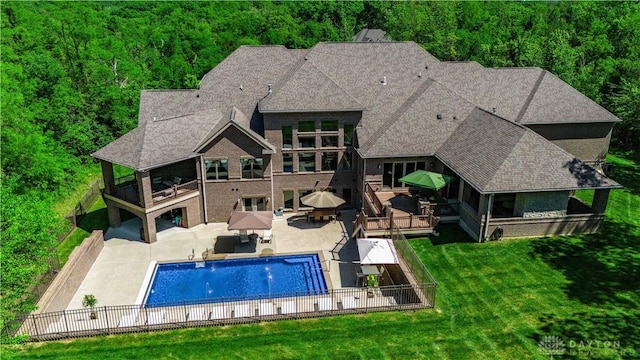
(107, 175)
(600, 199)
(114, 214)
(149, 228)
(144, 185)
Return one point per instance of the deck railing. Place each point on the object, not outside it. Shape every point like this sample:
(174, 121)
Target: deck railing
(373, 199)
(174, 191)
(410, 222)
(140, 318)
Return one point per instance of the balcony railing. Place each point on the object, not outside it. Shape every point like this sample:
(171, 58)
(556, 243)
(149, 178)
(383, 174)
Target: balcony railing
(175, 191)
(378, 224)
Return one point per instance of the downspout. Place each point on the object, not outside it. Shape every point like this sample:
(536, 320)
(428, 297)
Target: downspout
(487, 216)
(364, 171)
(273, 199)
(203, 181)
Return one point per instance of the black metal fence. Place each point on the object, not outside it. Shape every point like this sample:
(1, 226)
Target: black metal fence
(411, 259)
(139, 318)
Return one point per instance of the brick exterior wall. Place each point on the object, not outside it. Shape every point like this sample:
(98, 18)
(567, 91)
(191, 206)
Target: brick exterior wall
(587, 142)
(68, 281)
(222, 195)
(340, 181)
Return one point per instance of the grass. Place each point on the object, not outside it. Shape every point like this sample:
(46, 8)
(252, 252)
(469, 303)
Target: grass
(95, 219)
(495, 300)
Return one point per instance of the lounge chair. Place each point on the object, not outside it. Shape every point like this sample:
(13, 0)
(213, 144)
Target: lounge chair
(195, 314)
(127, 321)
(348, 302)
(241, 311)
(265, 309)
(288, 307)
(326, 304)
(155, 318)
(218, 312)
(267, 237)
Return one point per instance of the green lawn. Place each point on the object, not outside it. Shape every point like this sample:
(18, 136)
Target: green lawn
(494, 301)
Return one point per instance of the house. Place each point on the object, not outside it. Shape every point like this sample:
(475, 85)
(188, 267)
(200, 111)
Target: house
(268, 125)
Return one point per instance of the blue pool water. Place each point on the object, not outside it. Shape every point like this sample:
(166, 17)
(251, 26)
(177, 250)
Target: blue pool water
(215, 281)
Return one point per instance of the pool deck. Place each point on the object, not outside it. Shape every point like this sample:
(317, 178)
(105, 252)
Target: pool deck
(118, 274)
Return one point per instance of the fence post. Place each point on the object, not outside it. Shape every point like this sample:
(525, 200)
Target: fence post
(66, 322)
(106, 317)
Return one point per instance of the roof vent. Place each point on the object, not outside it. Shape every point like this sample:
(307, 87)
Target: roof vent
(426, 66)
(455, 118)
(420, 75)
(154, 118)
(384, 80)
(439, 116)
(495, 110)
(270, 89)
(241, 87)
(198, 95)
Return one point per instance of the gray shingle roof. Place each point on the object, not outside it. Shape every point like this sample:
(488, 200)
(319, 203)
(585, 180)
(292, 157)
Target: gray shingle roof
(309, 90)
(402, 89)
(554, 101)
(496, 155)
(160, 142)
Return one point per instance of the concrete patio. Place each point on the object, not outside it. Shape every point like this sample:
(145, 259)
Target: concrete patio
(118, 276)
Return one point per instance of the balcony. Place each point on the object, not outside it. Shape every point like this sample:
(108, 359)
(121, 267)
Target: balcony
(126, 189)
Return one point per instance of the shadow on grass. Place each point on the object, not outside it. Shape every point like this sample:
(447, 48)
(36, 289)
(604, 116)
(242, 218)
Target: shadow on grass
(602, 272)
(450, 234)
(599, 267)
(626, 174)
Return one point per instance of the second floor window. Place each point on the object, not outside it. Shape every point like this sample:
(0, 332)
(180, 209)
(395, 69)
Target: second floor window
(287, 163)
(287, 137)
(217, 169)
(329, 161)
(252, 168)
(306, 162)
(348, 135)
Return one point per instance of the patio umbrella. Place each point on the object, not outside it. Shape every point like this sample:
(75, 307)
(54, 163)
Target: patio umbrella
(427, 179)
(250, 220)
(377, 251)
(322, 200)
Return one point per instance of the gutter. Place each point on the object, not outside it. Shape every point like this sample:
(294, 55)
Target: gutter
(486, 217)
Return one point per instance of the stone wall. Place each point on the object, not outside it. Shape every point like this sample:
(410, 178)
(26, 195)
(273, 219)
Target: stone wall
(66, 284)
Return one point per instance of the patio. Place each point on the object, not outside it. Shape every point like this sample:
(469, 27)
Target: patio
(118, 276)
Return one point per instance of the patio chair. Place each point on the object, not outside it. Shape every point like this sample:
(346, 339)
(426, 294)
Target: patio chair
(195, 314)
(127, 321)
(266, 309)
(240, 311)
(218, 312)
(348, 302)
(288, 307)
(155, 318)
(326, 304)
(267, 237)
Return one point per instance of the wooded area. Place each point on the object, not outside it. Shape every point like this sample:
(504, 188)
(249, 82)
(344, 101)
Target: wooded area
(72, 74)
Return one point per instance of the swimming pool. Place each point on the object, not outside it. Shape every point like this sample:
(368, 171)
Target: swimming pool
(235, 279)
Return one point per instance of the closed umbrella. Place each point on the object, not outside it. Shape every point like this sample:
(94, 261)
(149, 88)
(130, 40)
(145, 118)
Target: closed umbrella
(427, 179)
(322, 200)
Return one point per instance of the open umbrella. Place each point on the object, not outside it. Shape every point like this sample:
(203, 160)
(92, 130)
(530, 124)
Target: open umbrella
(377, 251)
(427, 179)
(250, 220)
(322, 200)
